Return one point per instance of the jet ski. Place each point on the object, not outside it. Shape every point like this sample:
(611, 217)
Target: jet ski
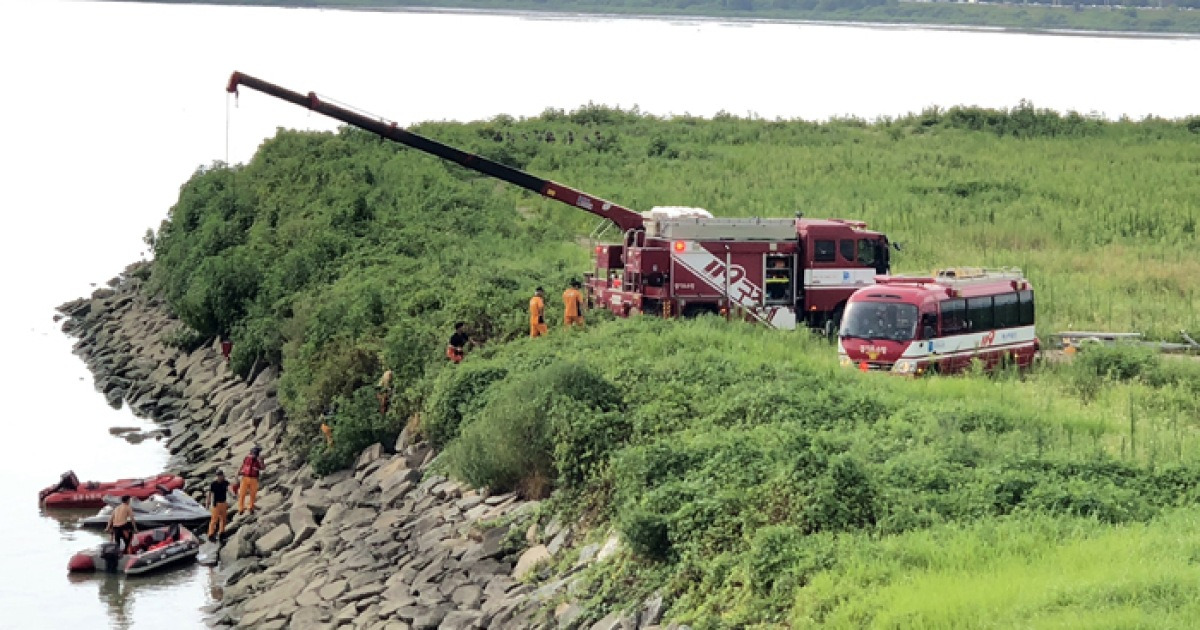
(151, 549)
(165, 508)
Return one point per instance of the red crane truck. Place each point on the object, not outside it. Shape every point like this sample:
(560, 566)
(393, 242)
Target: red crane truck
(680, 261)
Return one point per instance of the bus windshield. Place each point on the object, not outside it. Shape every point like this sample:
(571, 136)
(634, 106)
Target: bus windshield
(879, 320)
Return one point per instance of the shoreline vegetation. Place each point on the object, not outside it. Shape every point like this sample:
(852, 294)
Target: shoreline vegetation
(696, 472)
(1127, 19)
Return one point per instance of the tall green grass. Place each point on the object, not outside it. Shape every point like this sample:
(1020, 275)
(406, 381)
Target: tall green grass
(772, 486)
(1033, 572)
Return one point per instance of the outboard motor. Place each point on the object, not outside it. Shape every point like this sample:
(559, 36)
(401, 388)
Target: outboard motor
(110, 554)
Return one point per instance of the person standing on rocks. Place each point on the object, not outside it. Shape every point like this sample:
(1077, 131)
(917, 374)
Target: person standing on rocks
(122, 525)
(217, 501)
(251, 468)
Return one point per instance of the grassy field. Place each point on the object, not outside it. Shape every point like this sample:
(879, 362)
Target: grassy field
(758, 484)
(753, 481)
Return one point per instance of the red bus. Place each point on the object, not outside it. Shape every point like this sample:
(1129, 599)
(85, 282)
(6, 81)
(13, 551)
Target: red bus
(940, 323)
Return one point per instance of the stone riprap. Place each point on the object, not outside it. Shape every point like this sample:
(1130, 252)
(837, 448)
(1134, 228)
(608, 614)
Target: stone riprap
(386, 545)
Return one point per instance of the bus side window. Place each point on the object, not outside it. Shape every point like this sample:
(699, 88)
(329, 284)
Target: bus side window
(1026, 298)
(928, 325)
(1008, 311)
(954, 316)
(823, 251)
(866, 252)
(979, 313)
(846, 246)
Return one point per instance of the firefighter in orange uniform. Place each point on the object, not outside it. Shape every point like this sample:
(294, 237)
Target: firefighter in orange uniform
(537, 313)
(573, 306)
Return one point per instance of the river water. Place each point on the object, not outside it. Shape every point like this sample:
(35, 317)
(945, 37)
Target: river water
(109, 107)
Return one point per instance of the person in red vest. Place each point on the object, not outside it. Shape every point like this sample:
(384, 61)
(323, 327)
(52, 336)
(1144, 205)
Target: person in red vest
(251, 468)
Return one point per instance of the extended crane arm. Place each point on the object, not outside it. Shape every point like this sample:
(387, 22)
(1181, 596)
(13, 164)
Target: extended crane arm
(623, 217)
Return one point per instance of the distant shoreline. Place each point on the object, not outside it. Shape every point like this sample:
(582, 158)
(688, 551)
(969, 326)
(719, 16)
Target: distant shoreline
(917, 19)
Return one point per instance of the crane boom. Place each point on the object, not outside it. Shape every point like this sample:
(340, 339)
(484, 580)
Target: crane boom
(623, 217)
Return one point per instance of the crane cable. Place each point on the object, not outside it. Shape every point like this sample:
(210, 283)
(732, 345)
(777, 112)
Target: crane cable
(229, 167)
(227, 116)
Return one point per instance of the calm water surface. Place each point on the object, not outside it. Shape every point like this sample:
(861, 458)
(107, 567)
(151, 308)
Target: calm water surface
(108, 108)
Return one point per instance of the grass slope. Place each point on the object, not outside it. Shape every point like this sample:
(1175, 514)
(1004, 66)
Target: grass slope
(754, 482)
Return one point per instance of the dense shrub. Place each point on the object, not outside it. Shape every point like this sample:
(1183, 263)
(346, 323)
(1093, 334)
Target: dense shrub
(357, 422)
(1117, 362)
(456, 394)
(552, 426)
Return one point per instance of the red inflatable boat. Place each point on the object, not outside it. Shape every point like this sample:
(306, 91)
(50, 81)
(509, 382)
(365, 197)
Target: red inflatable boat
(151, 550)
(69, 492)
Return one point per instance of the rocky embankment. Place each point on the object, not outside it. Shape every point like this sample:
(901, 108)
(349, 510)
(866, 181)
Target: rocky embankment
(385, 545)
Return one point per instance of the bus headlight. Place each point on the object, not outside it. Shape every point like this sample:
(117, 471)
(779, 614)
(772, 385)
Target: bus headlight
(905, 366)
(845, 361)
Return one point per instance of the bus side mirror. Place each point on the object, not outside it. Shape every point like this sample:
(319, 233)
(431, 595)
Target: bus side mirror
(928, 332)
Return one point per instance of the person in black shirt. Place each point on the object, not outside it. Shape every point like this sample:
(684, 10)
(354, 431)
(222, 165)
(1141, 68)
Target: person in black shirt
(217, 500)
(458, 343)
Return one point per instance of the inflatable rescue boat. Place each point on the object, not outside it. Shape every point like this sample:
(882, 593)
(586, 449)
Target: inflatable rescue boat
(151, 549)
(69, 492)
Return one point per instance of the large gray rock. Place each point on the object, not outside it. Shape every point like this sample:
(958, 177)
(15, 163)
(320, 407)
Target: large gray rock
(652, 610)
(332, 590)
(368, 456)
(566, 613)
(610, 548)
(467, 596)
(309, 617)
(460, 620)
(240, 568)
(613, 621)
(281, 595)
(239, 545)
(274, 540)
(491, 546)
(403, 440)
(430, 618)
(530, 560)
(302, 523)
(363, 592)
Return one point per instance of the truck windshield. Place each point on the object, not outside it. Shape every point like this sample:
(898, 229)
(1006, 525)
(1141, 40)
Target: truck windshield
(879, 320)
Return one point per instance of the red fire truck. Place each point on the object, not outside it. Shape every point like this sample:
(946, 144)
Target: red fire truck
(940, 323)
(681, 261)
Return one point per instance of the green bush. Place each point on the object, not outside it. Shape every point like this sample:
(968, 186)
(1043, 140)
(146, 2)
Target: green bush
(185, 338)
(782, 558)
(457, 393)
(1119, 362)
(843, 498)
(356, 424)
(551, 426)
(646, 534)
